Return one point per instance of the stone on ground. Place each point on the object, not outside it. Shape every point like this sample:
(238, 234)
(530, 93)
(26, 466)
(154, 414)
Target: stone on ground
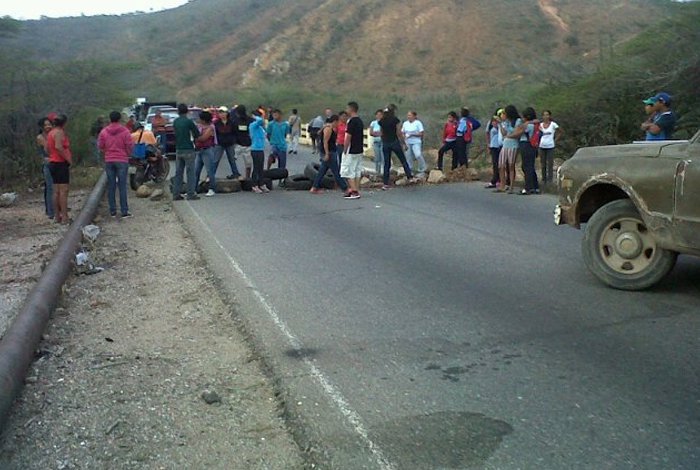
(436, 177)
(144, 191)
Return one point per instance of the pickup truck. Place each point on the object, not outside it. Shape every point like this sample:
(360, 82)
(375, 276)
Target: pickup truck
(640, 204)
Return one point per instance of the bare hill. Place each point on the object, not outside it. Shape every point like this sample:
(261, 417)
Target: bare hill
(391, 46)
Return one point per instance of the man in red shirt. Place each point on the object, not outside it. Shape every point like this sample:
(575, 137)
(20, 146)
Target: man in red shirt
(449, 137)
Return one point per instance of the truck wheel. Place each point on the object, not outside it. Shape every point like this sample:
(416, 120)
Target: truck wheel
(620, 251)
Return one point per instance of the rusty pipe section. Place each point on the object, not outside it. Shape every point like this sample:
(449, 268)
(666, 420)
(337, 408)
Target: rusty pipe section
(21, 339)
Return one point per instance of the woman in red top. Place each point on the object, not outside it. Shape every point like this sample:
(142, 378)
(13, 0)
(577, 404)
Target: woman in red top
(60, 159)
(340, 139)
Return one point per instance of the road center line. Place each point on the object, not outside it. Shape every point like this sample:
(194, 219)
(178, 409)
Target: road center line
(333, 393)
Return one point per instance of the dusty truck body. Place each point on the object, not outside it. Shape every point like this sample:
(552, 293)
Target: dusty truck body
(640, 204)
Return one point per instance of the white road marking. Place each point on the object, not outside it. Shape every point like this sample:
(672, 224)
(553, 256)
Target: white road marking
(333, 393)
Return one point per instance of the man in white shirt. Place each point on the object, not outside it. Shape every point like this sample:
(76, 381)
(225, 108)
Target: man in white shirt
(413, 131)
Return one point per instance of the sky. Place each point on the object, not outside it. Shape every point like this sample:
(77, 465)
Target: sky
(33, 9)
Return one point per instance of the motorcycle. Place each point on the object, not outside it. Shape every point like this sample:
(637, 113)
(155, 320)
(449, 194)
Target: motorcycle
(147, 164)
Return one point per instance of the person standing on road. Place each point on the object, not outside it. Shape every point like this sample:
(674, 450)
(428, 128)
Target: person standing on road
(392, 141)
(241, 122)
(351, 168)
(327, 149)
(185, 133)
(295, 126)
(340, 139)
(116, 144)
(257, 151)
(277, 132)
(158, 124)
(495, 140)
(45, 127)
(465, 129)
(550, 136)
(206, 156)
(664, 121)
(449, 138)
(95, 130)
(314, 127)
(375, 131)
(60, 160)
(509, 151)
(226, 140)
(413, 131)
(528, 152)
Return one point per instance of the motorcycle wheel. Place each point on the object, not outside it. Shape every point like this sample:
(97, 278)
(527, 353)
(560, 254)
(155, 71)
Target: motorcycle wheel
(137, 179)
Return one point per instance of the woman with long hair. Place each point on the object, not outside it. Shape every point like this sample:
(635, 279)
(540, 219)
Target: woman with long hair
(550, 136)
(60, 159)
(511, 132)
(528, 152)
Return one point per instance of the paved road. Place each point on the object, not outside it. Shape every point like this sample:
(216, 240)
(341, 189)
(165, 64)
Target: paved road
(450, 327)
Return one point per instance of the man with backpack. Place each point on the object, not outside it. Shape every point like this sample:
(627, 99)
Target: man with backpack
(465, 129)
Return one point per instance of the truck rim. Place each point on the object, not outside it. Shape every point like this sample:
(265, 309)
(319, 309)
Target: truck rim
(626, 246)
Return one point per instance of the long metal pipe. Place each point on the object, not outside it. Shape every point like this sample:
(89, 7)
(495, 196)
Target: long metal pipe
(21, 339)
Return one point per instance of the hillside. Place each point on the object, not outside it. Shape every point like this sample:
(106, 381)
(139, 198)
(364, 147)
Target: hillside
(211, 48)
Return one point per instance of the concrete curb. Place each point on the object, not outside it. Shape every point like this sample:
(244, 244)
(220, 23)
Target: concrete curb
(22, 337)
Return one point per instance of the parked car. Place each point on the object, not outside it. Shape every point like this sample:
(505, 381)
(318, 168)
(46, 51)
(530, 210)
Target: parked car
(640, 204)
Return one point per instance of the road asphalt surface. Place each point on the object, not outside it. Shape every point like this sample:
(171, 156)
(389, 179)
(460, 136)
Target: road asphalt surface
(451, 327)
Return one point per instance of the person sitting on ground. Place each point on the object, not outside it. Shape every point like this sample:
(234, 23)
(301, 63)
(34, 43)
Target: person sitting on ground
(327, 144)
(664, 122)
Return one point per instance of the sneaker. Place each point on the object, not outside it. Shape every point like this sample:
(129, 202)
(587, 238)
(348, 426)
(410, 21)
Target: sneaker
(349, 195)
(355, 195)
(490, 186)
(193, 198)
(257, 190)
(316, 191)
(524, 192)
(112, 215)
(535, 191)
(386, 187)
(210, 193)
(177, 198)
(265, 189)
(128, 215)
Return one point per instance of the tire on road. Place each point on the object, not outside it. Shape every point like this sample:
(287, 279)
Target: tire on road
(619, 250)
(276, 173)
(297, 183)
(311, 171)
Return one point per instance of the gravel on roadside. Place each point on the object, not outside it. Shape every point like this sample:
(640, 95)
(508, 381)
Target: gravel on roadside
(142, 366)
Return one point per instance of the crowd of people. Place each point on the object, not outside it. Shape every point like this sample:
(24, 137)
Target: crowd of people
(337, 138)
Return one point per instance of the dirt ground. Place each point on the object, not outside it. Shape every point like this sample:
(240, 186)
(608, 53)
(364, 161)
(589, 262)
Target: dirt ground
(134, 354)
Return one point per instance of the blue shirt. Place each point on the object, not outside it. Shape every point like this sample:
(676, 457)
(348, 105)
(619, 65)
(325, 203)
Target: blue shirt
(495, 140)
(509, 143)
(529, 130)
(257, 134)
(278, 132)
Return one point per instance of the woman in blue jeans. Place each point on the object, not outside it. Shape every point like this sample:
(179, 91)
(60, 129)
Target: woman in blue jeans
(206, 156)
(116, 143)
(327, 148)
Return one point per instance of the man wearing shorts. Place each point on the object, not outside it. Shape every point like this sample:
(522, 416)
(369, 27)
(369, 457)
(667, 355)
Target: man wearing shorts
(351, 165)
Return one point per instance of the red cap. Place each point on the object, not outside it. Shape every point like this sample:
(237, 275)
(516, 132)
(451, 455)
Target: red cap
(52, 116)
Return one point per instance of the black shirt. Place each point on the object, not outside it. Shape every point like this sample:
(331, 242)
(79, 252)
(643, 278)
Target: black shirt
(242, 133)
(225, 133)
(388, 125)
(332, 145)
(356, 129)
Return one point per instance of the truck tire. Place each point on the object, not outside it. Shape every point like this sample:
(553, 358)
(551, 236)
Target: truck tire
(619, 250)
(297, 183)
